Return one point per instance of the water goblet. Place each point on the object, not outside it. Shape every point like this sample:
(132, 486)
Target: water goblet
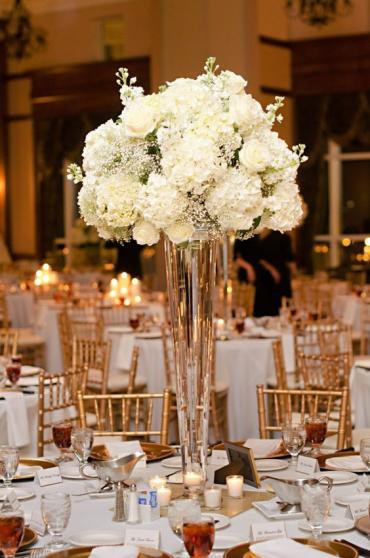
(62, 432)
(294, 439)
(9, 460)
(56, 511)
(315, 504)
(198, 536)
(316, 429)
(177, 510)
(365, 452)
(82, 442)
(11, 531)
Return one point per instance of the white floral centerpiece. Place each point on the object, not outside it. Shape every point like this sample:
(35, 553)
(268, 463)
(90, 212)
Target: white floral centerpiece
(199, 153)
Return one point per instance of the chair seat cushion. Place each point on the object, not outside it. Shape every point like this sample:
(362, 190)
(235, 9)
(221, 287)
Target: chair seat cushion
(26, 338)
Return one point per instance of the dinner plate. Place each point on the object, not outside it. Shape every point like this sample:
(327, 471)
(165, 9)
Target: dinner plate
(85, 551)
(337, 548)
(97, 538)
(156, 452)
(265, 465)
(20, 493)
(363, 525)
(29, 537)
(149, 335)
(336, 464)
(223, 541)
(28, 467)
(29, 371)
(26, 471)
(221, 521)
(71, 471)
(350, 498)
(332, 525)
(338, 477)
(172, 462)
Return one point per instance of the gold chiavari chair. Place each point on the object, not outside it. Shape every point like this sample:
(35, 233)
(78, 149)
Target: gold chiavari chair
(65, 339)
(136, 414)
(336, 338)
(57, 401)
(310, 402)
(127, 383)
(281, 376)
(114, 315)
(243, 296)
(327, 372)
(86, 329)
(95, 356)
(8, 342)
(365, 327)
(4, 314)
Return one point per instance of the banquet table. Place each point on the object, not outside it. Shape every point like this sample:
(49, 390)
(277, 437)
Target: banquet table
(95, 514)
(360, 392)
(241, 364)
(348, 309)
(21, 308)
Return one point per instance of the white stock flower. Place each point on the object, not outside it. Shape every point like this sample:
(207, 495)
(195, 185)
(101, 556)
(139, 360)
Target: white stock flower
(140, 118)
(179, 232)
(236, 201)
(246, 112)
(284, 207)
(255, 155)
(232, 83)
(145, 233)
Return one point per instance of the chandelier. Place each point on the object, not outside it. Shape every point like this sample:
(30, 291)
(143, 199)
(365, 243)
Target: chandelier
(318, 12)
(20, 38)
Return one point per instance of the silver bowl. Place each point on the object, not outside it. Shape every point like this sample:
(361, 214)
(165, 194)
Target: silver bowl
(289, 490)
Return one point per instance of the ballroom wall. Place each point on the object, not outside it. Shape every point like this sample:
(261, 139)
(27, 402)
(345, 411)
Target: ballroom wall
(177, 36)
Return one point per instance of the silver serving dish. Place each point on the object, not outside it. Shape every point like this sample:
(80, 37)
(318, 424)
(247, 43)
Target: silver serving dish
(289, 490)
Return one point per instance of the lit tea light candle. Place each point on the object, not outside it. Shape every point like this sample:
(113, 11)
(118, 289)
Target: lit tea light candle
(127, 302)
(235, 485)
(212, 498)
(135, 287)
(124, 280)
(157, 482)
(164, 496)
(192, 479)
(220, 324)
(137, 299)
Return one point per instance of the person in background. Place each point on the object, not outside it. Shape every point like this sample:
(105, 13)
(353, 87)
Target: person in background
(266, 260)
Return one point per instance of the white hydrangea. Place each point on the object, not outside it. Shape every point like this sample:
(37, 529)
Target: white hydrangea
(116, 198)
(283, 208)
(145, 233)
(160, 203)
(179, 232)
(236, 201)
(101, 147)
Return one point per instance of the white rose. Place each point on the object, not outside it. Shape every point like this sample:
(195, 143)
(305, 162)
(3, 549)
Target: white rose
(179, 232)
(145, 233)
(255, 156)
(139, 119)
(233, 82)
(245, 111)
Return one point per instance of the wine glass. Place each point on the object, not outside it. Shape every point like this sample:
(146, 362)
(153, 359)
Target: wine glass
(365, 452)
(177, 510)
(198, 536)
(82, 442)
(13, 369)
(294, 439)
(315, 504)
(316, 429)
(9, 460)
(56, 511)
(62, 432)
(11, 531)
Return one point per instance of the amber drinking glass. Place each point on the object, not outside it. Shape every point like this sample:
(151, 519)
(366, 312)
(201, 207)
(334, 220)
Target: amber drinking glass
(316, 429)
(199, 536)
(62, 433)
(11, 531)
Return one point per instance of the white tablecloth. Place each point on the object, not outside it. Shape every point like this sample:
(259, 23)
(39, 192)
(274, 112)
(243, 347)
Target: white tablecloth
(21, 308)
(94, 515)
(360, 395)
(46, 325)
(32, 416)
(348, 309)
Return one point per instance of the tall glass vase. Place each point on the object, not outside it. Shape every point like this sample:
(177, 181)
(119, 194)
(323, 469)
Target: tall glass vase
(190, 268)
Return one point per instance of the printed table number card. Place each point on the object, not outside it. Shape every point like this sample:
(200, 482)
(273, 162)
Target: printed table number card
(307, 465)
(142, 537)
(49, 476)
(357, 509)
(264, 531)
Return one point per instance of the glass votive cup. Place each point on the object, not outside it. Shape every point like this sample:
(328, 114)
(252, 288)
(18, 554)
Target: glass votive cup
(235, 486)
(212, 498)
(193, 483)
(164, 496)
(157, 482)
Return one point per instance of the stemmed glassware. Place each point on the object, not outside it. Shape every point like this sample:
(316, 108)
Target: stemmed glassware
(365, 452)
(177, 511)
(9, 460)
(294, 439)
(315, 504)
(316, 429)
(11, 531)
(62, 432)
(56, 511)
(198, 536)
(13, 370)
(82, 440)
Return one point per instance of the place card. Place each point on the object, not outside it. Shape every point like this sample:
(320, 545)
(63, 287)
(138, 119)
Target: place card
(307, 465)
(142, 537)
(219, 457)
(49, 476)
(37, 523)
(357, 509)
(264, 531)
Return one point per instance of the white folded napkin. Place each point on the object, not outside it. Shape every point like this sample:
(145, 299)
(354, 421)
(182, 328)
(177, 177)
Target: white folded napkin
(362, 363)
(16, 418)
(263, 448)
(350, 463)
(120, 449)
(281, 548)
(126, 551)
